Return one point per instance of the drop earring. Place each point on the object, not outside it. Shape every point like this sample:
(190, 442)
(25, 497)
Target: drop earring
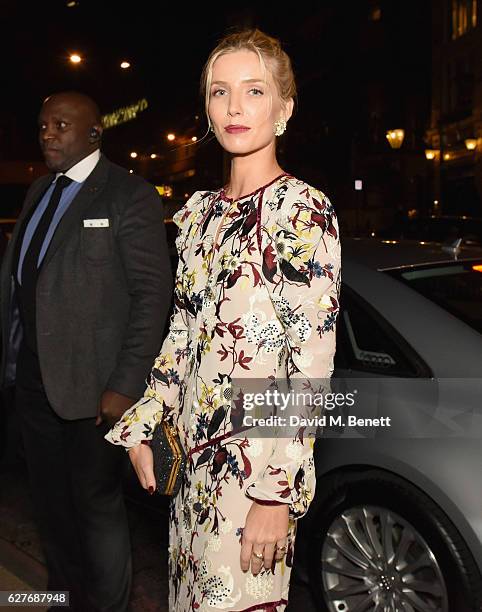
(279, 127)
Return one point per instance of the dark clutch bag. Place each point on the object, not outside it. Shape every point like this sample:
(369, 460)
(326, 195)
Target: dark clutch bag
(169, 459)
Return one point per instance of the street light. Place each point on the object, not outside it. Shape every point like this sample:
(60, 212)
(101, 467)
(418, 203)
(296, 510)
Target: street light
(171, 137)
(395, 138)
(471, 143)
(75, 58)
(153, 156)
(434, 156)
(431, 153)
(133, 154)
(194, 138)
(124, 65)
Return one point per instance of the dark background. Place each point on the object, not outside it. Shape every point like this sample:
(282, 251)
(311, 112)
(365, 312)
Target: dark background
(362, 67)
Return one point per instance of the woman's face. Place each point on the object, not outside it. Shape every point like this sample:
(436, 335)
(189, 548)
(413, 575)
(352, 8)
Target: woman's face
(243, 106)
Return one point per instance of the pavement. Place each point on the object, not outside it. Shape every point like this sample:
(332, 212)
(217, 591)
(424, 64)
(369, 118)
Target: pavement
(20, 572)
(22, 562)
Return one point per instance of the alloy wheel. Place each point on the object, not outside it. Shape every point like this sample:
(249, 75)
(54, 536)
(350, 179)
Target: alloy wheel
(373, 560)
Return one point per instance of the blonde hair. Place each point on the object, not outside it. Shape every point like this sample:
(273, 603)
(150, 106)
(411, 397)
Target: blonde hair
(271, 57)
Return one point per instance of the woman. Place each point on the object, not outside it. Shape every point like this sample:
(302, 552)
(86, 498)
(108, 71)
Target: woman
(256, 297)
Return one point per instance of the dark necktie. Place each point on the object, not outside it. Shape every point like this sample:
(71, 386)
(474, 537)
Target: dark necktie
(30, 263)
(30, 269)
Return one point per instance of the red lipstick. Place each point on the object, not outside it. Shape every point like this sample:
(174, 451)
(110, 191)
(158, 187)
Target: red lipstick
(236, 129)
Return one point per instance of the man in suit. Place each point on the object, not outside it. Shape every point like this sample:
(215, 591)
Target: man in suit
(85, 289)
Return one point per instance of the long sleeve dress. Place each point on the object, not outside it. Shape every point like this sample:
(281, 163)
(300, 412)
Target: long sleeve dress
(256, 296)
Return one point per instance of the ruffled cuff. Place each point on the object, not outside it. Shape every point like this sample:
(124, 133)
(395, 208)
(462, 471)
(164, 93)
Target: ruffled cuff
(137, 423)
(292, 483)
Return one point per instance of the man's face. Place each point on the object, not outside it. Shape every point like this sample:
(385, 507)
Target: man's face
(65, 127)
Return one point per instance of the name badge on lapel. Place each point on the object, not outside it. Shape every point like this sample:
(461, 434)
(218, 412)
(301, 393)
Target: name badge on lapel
(96, 222)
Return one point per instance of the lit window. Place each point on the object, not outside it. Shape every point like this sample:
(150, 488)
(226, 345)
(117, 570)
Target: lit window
(464, 16)
(375, 13)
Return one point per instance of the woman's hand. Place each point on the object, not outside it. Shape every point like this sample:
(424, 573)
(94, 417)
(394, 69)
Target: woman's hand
(265, 533)
(143, 462)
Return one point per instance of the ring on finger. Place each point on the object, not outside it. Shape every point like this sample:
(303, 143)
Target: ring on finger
(257, 555)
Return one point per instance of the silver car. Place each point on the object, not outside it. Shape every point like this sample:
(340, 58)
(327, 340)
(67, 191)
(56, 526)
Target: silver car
(396, 522)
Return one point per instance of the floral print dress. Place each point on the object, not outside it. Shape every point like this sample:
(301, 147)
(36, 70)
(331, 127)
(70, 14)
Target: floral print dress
(256, 296)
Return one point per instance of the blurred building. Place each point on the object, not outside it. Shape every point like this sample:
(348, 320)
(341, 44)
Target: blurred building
(387, 146)
(363, 69)
(454, 137)
(389, 89)
(360, 73)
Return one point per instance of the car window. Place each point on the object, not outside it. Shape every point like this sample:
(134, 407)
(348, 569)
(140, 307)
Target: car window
(456, 287)
(368, 343)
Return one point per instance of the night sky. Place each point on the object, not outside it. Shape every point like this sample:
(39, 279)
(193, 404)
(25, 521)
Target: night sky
(347, 67)
(166, 46)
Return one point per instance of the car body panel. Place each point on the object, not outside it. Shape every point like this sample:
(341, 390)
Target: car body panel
(399, 303)
(447, 468)
(444, 469)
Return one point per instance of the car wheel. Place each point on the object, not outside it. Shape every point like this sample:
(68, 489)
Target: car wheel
(378, 543)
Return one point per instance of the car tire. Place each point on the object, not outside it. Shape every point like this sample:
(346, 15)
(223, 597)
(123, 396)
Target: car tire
(349, 499)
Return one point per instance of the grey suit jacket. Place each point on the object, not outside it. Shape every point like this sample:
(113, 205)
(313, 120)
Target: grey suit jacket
(103, 293)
